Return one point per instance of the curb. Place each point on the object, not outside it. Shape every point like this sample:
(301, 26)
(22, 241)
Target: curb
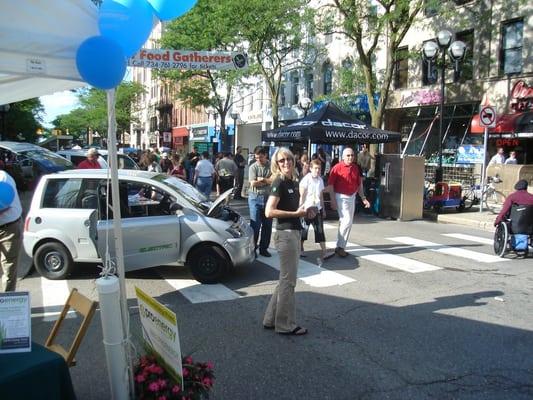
(481, 223)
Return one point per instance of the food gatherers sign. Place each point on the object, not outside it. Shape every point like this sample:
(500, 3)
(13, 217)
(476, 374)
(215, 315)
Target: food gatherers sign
(188, 59)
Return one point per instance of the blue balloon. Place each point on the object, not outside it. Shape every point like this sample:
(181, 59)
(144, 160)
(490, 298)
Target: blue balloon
(101, 62)
(7, 194)
(167, 10)
(128, 22)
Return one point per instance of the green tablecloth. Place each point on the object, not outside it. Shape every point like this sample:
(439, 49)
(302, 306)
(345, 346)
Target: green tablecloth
(39, 374)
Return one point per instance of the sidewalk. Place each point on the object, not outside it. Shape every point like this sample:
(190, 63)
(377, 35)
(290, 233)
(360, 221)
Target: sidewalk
(480, 220)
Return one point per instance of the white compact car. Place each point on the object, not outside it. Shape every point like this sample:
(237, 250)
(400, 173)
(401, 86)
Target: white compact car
(164, 221)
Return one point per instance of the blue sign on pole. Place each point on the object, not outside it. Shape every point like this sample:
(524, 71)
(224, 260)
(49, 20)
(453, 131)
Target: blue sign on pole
(470, 154)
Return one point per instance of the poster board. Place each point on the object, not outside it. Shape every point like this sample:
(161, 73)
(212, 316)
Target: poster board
(470, 154)
(15, 322)
(160, 332)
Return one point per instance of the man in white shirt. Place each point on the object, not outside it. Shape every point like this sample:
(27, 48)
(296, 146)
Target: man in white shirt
(498, 158)
(512, 158)
(10, 231)
(203, 175)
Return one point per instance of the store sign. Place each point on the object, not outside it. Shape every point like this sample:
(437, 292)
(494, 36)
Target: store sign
(420, 98)
(507, 142)
(188, 59)
(199, 133)
(470, 154)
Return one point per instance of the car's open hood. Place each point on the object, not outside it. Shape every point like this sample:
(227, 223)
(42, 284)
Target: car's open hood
(219, 202)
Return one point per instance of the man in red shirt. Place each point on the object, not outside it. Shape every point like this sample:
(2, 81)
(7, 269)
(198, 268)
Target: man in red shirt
(92, 160)
(521, 197)
(343, 183)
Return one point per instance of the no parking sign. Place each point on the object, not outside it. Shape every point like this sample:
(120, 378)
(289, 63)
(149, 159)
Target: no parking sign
(487, 116)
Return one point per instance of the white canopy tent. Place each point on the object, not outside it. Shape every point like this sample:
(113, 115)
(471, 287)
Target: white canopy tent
(38, 44)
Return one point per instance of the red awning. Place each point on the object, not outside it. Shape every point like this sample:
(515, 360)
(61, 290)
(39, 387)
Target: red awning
(180, 132)
(505, 123)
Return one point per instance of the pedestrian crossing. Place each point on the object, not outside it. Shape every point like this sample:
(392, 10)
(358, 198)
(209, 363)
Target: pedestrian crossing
(54, 293)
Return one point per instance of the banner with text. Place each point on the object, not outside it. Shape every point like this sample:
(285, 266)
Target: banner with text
(188, 59)
(160, 331)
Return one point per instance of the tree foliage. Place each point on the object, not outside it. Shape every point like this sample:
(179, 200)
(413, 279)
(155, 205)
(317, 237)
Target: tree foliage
(278, 33)
(92, 112)
(211, 25)
(23, 120)
(372, 26)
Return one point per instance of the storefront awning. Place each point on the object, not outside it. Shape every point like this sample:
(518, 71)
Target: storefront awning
(505, 123)
(180, 132)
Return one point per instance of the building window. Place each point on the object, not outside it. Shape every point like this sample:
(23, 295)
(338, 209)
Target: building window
(327, 76)
(429, 72)
(309, 81)
(295, 83)
(511, 48)
(282, 98)
(401, 65)
(466, 67)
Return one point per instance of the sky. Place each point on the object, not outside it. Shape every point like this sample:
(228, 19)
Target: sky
(57, 104)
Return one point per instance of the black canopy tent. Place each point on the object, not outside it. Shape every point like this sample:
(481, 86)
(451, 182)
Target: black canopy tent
(329, 125)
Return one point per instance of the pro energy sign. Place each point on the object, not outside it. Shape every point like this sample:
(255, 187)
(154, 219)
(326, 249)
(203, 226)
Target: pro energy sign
(188, 59)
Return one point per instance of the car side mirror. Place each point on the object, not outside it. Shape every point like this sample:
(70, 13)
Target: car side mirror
(175, 207)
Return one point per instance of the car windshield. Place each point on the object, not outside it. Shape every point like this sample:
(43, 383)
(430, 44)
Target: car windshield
(187, 191)
(47, 156)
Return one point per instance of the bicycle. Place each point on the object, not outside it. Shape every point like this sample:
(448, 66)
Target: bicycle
(492, 199)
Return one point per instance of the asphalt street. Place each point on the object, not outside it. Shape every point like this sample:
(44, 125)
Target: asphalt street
(418, 310)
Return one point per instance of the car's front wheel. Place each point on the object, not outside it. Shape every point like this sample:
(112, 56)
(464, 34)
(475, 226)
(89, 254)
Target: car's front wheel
(208, 263)
(53, 261)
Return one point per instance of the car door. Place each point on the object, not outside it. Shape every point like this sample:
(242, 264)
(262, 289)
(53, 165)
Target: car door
(150, 232)
(66, 215)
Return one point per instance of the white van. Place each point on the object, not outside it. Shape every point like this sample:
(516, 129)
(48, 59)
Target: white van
(164, 221)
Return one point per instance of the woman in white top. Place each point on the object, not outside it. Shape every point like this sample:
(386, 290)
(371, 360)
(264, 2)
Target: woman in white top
(203, 175)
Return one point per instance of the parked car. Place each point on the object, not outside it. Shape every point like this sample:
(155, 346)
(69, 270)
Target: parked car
(27, 162)
(77, 156)
(164, 220)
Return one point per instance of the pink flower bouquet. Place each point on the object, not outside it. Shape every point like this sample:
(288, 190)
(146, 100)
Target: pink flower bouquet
(152, 382)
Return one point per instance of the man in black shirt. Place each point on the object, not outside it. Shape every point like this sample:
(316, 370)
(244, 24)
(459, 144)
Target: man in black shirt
(241, 163)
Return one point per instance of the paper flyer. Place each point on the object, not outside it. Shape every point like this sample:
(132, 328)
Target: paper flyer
(15, 322)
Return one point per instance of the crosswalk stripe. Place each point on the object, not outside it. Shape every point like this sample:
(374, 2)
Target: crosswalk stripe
(470, 238)
(195, 292)
(390, 260)
(54, 293)
(453, 251)
(311, 274)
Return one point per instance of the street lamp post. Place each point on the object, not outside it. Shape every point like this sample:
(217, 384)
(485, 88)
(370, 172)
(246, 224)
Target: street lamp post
(430, 52)
(3, 110)
(305, 104)
(234, 115)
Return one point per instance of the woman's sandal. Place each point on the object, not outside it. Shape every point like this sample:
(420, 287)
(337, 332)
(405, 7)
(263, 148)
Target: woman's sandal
(298, 331)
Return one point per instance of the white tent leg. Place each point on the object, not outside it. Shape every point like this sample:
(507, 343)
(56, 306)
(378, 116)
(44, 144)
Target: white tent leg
(115, 349)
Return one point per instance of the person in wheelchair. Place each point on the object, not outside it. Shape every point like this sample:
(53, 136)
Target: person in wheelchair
(520, 227)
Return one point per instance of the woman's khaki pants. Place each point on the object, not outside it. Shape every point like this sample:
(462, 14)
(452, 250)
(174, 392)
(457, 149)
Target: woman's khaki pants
(281, 308)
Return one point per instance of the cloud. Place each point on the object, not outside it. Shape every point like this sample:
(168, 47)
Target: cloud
(57, 104)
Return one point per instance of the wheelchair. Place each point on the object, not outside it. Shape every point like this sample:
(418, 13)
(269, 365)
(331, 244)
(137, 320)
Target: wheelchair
(519, 222)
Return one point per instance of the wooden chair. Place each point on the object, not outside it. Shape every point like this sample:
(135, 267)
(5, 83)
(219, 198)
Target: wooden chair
(83, 306)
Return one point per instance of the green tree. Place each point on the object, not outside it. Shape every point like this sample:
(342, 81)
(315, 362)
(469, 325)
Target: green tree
(372, 26)
(23, 120)
(210, 25)
(279, 36)
(92, 113)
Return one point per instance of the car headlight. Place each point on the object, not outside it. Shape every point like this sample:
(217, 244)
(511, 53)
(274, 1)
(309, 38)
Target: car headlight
(235, 232)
